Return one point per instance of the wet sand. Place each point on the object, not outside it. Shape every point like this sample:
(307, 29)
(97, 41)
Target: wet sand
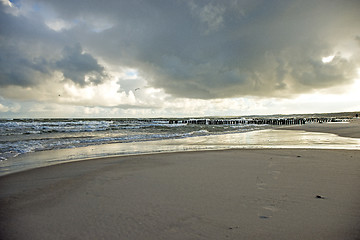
(342, 129)
(226, 194)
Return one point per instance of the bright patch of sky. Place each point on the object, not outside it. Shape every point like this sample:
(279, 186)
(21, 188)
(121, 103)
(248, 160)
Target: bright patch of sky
(327, 59)
(133, 73)
(12, 3)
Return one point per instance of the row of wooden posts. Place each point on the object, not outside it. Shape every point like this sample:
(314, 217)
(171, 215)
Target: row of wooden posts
(269, 121)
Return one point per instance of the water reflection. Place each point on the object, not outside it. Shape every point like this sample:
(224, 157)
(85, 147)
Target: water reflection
(275, 139)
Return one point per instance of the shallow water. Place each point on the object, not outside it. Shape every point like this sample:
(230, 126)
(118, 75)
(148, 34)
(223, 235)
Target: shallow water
(269, 138)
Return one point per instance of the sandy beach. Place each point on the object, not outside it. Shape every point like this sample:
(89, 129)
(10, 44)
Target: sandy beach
(227, 194)
(343, 129)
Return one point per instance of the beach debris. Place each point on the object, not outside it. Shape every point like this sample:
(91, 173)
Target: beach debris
(319, 197)
(263, 217)
(298, 156)
(230, 228)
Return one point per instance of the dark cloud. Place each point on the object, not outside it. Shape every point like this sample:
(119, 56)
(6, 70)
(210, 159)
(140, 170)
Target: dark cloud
(23, 61)
(212, 49)
(201, 49)
(20, 70)
(31, 53)
(76, 66)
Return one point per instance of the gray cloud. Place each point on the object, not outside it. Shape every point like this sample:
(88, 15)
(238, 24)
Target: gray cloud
(76, 66)
(31, 53)
(201, 49)
(17, 69)
(22, 59)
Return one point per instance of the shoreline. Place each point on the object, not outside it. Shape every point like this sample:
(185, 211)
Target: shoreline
(274, 138)
(308, 134)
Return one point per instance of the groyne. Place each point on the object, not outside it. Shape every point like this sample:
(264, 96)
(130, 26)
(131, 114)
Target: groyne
(258, 121)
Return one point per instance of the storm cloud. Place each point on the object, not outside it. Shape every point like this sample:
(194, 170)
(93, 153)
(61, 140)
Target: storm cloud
(80, 67)
(189, 49)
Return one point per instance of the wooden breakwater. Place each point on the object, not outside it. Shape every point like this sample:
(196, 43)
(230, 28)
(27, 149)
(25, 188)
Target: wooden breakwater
(257, 121)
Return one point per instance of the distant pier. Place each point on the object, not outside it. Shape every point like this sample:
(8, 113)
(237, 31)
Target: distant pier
(257, 121)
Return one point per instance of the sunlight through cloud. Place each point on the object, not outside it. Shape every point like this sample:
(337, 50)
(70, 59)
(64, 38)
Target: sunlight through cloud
(327, 59)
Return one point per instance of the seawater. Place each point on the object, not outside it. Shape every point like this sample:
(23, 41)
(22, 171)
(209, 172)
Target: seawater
(19, 137)
(31, 143)
(33, 135)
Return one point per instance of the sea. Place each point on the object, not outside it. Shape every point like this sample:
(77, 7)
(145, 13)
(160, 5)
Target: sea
(32, 143)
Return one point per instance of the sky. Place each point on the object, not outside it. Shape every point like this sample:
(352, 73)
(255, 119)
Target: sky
(178, 58)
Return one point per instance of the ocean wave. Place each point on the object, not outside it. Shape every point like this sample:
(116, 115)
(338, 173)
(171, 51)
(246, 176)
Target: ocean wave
(26, 135)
